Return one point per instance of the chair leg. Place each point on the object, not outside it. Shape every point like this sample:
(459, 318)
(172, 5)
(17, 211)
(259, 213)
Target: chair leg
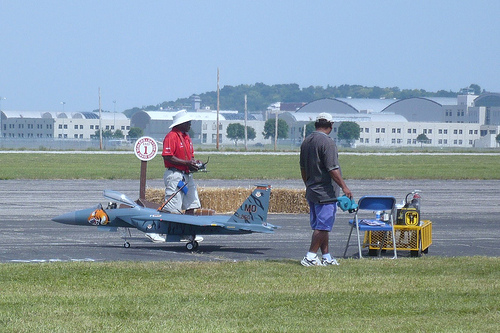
(394, 243)
(359, 242)
(348, 240)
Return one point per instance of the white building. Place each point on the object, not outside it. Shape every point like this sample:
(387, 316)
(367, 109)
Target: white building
(204, 125)
(466, 121)
(59, 125)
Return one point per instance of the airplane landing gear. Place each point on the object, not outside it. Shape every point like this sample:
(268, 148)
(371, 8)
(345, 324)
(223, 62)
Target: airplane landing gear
(126, 245)
(193, 245)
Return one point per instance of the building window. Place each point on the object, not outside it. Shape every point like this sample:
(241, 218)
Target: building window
(76, 126)
(367, 130)
(393, 130)
(377, 130)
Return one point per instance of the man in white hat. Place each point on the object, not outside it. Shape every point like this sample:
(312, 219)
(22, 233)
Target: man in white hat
(320, 170)
(178, 157)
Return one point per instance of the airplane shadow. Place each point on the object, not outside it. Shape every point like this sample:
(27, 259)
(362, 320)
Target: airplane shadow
(181, 248)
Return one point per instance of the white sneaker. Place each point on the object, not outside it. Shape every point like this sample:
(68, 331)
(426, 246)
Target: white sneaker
(156, 238)
(311, 262)
(329, 262)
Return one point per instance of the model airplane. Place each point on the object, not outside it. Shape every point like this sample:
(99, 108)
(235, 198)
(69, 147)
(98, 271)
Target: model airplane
(249, 218)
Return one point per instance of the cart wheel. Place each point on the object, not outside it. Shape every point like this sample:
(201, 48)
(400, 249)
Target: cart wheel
(126, 245)
(372, 252)
(426, 251)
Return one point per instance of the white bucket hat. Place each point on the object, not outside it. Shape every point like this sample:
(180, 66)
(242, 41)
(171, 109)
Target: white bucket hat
(181, 117)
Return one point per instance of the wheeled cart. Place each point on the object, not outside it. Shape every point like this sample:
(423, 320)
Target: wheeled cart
(413, 238)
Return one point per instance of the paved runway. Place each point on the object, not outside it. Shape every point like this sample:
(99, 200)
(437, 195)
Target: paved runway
(465, 216)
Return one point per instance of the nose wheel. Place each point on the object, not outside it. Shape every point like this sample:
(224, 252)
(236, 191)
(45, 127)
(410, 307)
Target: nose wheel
(191, 246)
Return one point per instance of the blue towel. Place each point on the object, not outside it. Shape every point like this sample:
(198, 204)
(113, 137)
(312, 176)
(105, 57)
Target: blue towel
(181, 184)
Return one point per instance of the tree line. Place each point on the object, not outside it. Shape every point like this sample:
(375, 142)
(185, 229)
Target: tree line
(260, 96)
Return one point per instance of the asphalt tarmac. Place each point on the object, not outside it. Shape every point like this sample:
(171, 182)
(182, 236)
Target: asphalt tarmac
(465, 219)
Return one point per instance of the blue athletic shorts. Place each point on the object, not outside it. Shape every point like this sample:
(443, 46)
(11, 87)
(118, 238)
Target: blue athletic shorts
(322, 216)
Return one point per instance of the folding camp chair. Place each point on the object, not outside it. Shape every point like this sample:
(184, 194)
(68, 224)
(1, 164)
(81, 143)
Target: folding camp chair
(374, 203)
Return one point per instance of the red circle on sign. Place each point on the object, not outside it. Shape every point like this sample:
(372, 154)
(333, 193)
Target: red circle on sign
(145, 148)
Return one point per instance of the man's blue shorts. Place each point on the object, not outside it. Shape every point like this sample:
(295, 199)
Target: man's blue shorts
(322, 216)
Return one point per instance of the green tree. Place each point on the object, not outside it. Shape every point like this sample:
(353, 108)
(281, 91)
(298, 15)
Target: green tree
(270, 125)
(135, 132)
(348, 131)
(237, 132)
(107, 134)
(310, 128)
(422, 138)
(476, 88)
(118, 134)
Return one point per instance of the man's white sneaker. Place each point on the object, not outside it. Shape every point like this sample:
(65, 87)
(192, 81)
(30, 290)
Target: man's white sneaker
(329, 262)
(311, 262)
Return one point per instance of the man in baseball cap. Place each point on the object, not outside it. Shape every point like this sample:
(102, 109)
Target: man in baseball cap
(320, 170)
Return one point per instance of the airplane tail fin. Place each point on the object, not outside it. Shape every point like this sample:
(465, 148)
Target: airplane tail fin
(254, 209)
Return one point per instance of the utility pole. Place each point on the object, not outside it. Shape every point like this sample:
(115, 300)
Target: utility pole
(276, 131)
(217, 108)
(246, 132)
(100, 121)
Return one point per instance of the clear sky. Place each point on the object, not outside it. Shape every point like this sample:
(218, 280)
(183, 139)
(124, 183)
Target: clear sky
(146, 52)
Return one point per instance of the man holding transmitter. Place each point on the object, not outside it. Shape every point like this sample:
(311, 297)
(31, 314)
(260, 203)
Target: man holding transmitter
(321, 174)
(178, 157)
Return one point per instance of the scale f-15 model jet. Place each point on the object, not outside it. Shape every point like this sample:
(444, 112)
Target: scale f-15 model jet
(122, 212)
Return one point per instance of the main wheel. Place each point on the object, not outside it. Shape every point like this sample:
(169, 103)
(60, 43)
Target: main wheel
(190, 246)
(126, 245)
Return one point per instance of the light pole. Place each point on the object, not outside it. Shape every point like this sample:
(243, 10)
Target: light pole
(64, 115)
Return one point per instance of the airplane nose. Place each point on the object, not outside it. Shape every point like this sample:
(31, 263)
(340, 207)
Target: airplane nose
(67, 218)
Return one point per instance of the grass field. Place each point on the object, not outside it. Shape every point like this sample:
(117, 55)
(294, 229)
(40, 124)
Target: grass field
(404, 295)
(107, 166)
(428, 294)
